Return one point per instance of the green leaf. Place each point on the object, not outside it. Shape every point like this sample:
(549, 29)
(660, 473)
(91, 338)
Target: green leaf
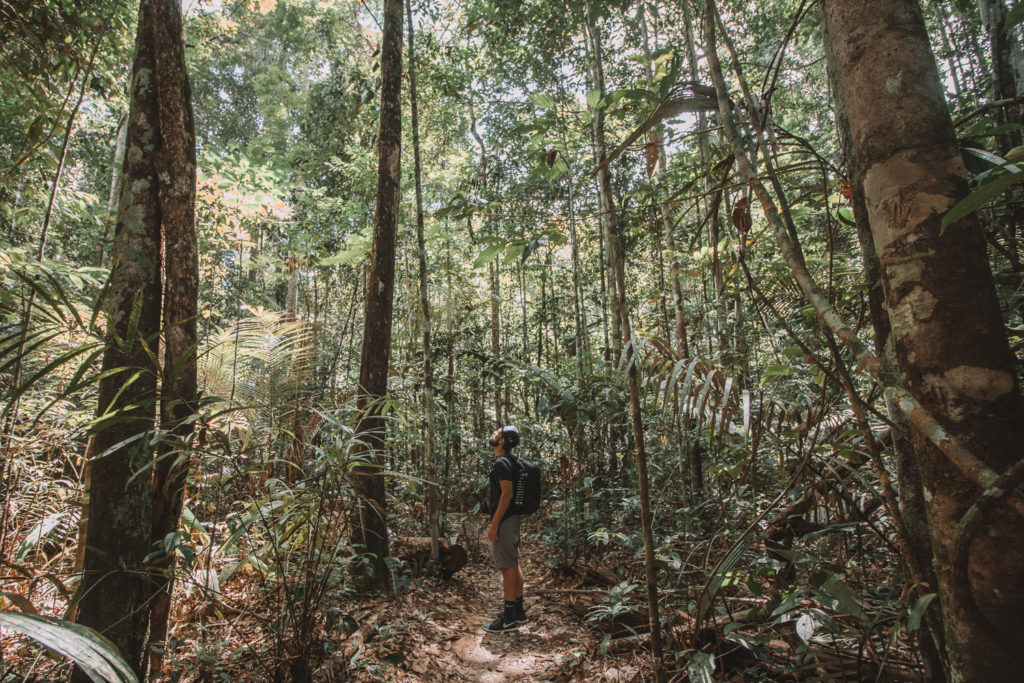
(732, 626)
(778, 371)
(980, 197)
(702, 666)
(846, 598)
(986, 157)
(1015, 154)
(917, 613)
(38, 533)
(515, 250)
(670, 79)
(593, 98)
(96, 656)
(805, 627)
(544, 100)
(725, 565)
(488, 255)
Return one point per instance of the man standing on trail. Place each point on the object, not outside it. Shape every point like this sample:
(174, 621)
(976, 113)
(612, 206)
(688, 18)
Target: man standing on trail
(504, 530)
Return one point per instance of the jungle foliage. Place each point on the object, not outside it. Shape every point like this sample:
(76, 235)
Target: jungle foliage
(701, 392)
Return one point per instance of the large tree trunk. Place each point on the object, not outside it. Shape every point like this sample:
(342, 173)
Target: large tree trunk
(911, 496)
(178, 392)
(947, 329)
(158, 192)
(372, 532)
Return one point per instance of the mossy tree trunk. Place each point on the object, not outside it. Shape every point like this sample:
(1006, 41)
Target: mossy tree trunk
(155, 209)
(179, 384)
(429, 446)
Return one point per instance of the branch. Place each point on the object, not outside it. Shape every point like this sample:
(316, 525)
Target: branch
(699, 101)
(919, 417)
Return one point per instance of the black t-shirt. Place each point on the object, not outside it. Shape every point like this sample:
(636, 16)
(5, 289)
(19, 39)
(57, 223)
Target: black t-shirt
(502, 469)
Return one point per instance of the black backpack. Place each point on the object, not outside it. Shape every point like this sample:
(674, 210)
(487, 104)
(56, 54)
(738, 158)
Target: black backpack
(526, 487)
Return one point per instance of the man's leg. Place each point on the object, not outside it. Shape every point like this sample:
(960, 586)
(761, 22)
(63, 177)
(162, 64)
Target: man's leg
(518, 607)
(506, 559)
(511, 583)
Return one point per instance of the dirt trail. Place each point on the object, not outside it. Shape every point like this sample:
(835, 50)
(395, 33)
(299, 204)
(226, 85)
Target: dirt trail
(440, 636)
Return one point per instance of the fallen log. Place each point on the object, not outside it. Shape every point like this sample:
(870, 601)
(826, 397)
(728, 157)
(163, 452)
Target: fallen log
(592, 575)
(415, 551)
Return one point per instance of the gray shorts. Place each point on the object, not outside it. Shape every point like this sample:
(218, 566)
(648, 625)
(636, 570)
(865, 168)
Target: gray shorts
(506, 548)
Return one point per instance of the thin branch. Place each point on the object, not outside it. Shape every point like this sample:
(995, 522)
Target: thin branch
(919, 417)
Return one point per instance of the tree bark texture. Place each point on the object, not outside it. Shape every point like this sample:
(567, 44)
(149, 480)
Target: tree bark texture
(372, 532)
(179, 384)
(911, 496)
(947, 329)
(116, 585)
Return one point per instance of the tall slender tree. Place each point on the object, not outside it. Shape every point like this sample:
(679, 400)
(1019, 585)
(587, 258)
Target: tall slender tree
(429, 451)
(620, 307)
(372, 532)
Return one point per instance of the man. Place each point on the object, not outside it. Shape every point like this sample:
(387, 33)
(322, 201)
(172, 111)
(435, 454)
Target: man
(504, 530)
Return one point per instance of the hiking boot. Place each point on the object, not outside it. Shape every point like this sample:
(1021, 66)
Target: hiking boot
(502, 623)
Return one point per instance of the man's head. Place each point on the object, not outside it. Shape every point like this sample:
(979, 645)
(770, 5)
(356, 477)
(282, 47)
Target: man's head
(504, 439)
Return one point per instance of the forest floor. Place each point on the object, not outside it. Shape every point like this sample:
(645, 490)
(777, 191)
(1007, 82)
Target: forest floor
(433, 630)
(440, 636)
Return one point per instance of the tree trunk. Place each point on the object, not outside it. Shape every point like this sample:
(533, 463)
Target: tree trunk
(493, 275)
(495, 280)
(911, 508)
(617, 271)
(372, 532)
(429, 459)
(947, 329)
(580, 335)
(158, 193)
(605, 200)
(179, 386)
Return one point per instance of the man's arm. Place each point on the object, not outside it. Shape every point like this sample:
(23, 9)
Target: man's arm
(503, 503)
